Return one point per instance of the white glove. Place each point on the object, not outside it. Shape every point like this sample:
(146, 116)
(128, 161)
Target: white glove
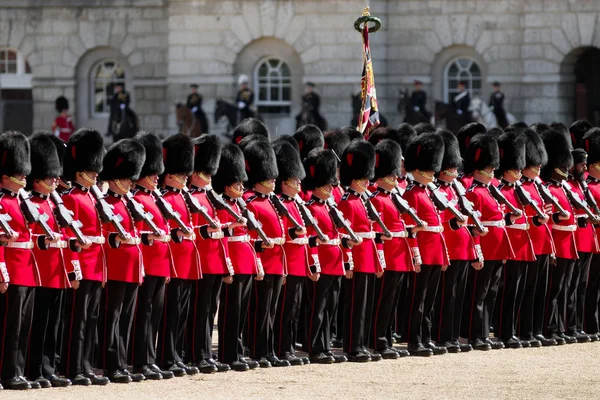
(259, 267)
(229, 266)
(479, 253)
(350, 262)
(76, 270)
(122, 106)
(417, 256)
(316, 262)
(241, 104)
(194, 109)
(416, 108)
(381, 257)
(4, 273)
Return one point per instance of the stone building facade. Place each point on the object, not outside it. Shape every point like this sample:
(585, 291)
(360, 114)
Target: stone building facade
(545, 52)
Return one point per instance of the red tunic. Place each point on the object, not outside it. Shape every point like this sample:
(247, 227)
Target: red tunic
(594, 186)
(337, 193)
(398, 256)
(432, 246)
(80, 201)
(540, 235)
(519, 238)
(185, 254)
(20, 263)
(64, 126)
(364, 255)
(296, 255)
(585, 237)
(564, 241)
(157, 258)
(459, 242)
(331, 256)
(495, 245)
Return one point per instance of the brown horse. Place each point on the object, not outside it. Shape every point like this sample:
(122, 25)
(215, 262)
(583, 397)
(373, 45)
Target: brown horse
(187, 122)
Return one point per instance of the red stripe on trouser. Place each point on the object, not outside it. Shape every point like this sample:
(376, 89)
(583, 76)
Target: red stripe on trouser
(546, 317)
(351, 312)
(412, 303)
(4, 332)
(377, 313)
(502, 303)
(281, 320)
(312, 315)
(104, 347)
(472, 307)
(442, 305)
(162, 349)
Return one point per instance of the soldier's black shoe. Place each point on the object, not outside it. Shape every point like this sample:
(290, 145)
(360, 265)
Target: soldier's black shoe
(481, 345)
(338, 358)
(396, 337)
(16, 383)
(512, 343)
(389, 354)
(97, 380)
(530, 342)
(525, 343)
(177, 371)
(251, 363)
(33, 384)
(1, 387)
(337, 343)
(293, 360)
(582, 337)
(147, 373)
(545, 341)
(135, 377)
(276, 362)
(206, 368)
(374, 356)
(496, 345)
(419, 350)
(594, 337)
(568, 338)
(221, 367)
(559, 339)
(164, 374)
(359, 357)
(452, 347)
(437, 350)
(43, 382)
(239, 366)
(402, 353)
(57, 381)
(189, 369)
(264, 363)
(298, 346)
(118, 377)
(464, 348)
(305, 360)
(80, 380)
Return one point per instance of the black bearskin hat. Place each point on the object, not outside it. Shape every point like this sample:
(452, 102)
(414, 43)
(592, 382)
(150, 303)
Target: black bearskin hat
(424, 127)
(482, 152)
(352, 132)
(124, 160)
(518, 126)
(559, 127)
(388, 159)
(337, 141)
(309, 137)
(261, 164)
(452, 157)
(85, 149)
(403, 135)
(559, 152)
(232, 168)
(535, 151)
(466, 133)
(495, 132)
(252, 138)
(579, 156)
(425, 153)
(379, 134)
(61, 148)
(45, 161)
(358, 162)
(512, 152)
(154, 164)
(207, 153)
(15, 154)
(290, 140)
(178, 155)
(541, 128)
(578, 130)
(321, 169)
(289, 164)
(61, 103)
(247, 127)
(591, 144)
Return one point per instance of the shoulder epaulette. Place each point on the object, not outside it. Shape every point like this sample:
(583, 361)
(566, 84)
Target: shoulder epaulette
(310, 202)
(409, 187)
(251, 198)
(68, 191)
(345, 196)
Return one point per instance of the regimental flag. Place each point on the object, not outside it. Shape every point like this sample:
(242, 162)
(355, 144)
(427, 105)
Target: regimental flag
(369, 112)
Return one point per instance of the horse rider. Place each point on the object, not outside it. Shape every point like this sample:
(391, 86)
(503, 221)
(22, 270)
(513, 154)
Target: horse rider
(461, 103)
(194, 103)
(120, 112)
(245, 99)
(311, 101)
(418, 100)
(497, 105)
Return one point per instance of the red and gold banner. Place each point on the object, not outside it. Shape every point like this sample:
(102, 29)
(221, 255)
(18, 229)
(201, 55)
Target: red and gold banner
(368, 118)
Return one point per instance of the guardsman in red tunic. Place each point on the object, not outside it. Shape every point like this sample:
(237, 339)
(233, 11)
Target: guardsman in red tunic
(82, 163)
(535, 284)
(178, 157)
(214, 258)
(512, 162)
(235, 294)
(480, 160)
(398, 256)
(46, 168)
(464, 136)
(157, 266)
(423, 159)
(462, 251)
(296, 249)
(125, 269)
(63, 126)
(367, 262)
(587, 244)
(328, 258)
(261, 167)
(563, 227)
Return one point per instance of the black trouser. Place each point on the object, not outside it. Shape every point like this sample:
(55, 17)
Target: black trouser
(554, 313)
(592, 297)
(148, 312)
(117, 314)
(336, 297)
(201, 319)
(44, 340)
(286, 317)
(358, 307)
(534, 287)
(170, 335)
(422, 292)
(319, 320)
(233, 312)
(511, 297)
(82, 311)
(262, 318)
(16, 313)
(403, 307)
(576, 293)
(387, 290)
(449, 302)
(480, 296)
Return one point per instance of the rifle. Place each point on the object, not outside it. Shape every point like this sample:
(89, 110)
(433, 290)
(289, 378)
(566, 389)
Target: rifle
(339, 220)
(441, 202)
(309, 219)
(64, 216)
(197, 208)
(32, 214)
(526, 199)
(578, 203)
(139, 214)
(253, 223)
(405, 208)
(503, 200)
(548, 197)
(167, 211)
(282, 210)
(589, 197)
(374, 215)
(4, 218)
(106, 213)
(467, 207)
(221, 204)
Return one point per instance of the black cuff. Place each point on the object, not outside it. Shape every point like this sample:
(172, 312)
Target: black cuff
(454, 224)
(312, 241)
(536, 221)
(378, 238)
(74, 245)
(112, 240)
(410, 232)
(473, 231)
(313, 269)
(146, 239)
(204, 233)
(41, 242)
(258, 246)
(292, 233)
(175, 237)
(346, 266)
(555, 218)
(582, 222)
(71, 276)
(507, 219)
(227, 232)
(346, 242)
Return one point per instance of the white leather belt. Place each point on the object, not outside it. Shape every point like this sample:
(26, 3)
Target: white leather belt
(96, 239)
(300, 241)
(216, 235)
(577, 216)
(192, 237)
(61, 244)
(332, 242)
(277, 241)
(242, 239)
(434, 229)
(134, 241)
(565, 228)
(497, 224)
(164, 239)
(403, 234)
(366, 235)
(522, 227)
(20, 245)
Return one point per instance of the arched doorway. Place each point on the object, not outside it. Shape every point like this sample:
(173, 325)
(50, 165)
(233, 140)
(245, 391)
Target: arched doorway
(587, 86)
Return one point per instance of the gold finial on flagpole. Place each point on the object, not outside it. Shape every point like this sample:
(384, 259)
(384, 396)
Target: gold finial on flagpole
(366, 12)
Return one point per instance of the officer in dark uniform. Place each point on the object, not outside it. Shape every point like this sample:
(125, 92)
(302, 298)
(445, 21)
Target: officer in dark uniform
(119, 102)
(311, 102)
(194, 99)
(461, 103)
(497, 105)
(244, 98)
(418, 100)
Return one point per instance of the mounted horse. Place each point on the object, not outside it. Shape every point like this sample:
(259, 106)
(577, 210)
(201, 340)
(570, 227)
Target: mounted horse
(310, 116)
(447, 112)
(231, 112)
(481, 112)
(126, 126)
(189, 123)
(357, 106)
(410, 115)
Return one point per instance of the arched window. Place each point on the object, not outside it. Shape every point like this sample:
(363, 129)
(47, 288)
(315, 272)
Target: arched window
(273, 86)
(15, 72)
(105, 75)
(462, 69)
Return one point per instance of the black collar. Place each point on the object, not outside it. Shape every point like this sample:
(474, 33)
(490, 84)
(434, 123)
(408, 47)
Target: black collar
(509, 184)
(382, 190)
(143, 189)
(286, 197)
(261, 195)
(198, 189)
(172, 189)
(479, 183)
(354, 192)
(443, 183)
(9, 192)
(113, 194)
(525, 179)
(592, 179)
(554, 182)
(81, 187)
(40, 195)
(318, 200)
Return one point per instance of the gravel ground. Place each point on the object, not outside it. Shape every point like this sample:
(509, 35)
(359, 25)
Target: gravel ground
(563, 372)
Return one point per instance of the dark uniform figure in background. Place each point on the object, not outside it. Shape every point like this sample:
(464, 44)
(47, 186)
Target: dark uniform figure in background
(461, 103)
(497, 105)
(194, 103)
(310, 114)
(122, 121)
(244, 99)
(418, 101)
